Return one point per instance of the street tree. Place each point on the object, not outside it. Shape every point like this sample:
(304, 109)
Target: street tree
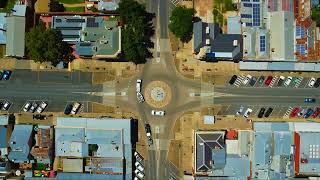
(181, 23)
(46, 45)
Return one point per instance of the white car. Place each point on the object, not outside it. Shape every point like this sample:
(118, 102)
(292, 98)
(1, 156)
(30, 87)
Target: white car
(6, 105)
(238, 113)
(288, 81)
(247, 113)
(139, 166)
(312, 82)
(138, 85)
(75, 108)
(246, 79)
(26, 107)
(138, 156)
(41, 107)
(157, 113)
(140, 97)
(139, 174)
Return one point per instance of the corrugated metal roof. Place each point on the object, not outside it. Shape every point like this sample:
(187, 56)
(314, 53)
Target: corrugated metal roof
(15, 36)
(3, 25)
(234, 25)
(19, 10)
(4, 120)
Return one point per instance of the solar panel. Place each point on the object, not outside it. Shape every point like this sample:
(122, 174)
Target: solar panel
(249, 24)
(247, 4)
(76, 20)
(300, 32)
(85, 44)
(246, 16)
(256, 15)
(256, 0)
(245, 0)
(301, 49)
(91, 22)
(262, 43)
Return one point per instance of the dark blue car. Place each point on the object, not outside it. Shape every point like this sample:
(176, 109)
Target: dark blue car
(6, 74)
(308, 113)
(309, 100)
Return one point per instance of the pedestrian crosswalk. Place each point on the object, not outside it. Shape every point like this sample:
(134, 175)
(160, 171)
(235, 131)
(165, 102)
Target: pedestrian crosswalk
(286, 115)
(239, 80)
(274, 80)
(298, 82)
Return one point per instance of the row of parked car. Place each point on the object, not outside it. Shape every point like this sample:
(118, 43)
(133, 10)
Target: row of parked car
(34, 107)
(262, 113)
(139, 171)
(141, 99)
(283, 81)
(5, 74)
(73, 108)
(305, 113)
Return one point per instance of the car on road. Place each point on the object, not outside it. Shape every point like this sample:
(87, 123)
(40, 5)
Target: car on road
(233, 79)
(239, 112)
(246, 79)
(138, 85)
(312, 82)
(268, 112)
(253, 81)
(147, 128)
(316, 112)
(41, 107)
(247, 113)
(288, 81)
(33, 107)
(309, 100)
(6, 105)
(39, 117)
(294, 112)
(157, 113)
(6, 74)
(261, 112)
(261, 79)
(75, 108)
(26, 106)
(138, 156)
(308, 113)
(68, 109)
(301, 112)
(317, 83)
(268, 80)
(140, 97)
(281, 80)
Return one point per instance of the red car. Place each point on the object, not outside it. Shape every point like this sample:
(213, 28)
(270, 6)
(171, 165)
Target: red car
(268, 81)
(316, 113)
(294, 112)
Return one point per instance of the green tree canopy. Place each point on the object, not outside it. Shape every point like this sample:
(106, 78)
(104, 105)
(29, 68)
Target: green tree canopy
(181, 23)
(46, 45)
(315, 15)
(137, 31)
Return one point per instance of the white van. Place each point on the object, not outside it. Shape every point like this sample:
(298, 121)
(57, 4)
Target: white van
(138, 85)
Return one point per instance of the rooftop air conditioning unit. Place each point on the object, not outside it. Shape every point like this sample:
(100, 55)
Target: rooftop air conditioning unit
(207, 30)
(207, 41)
(235, 42)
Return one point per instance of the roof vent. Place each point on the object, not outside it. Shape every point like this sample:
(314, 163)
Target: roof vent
(207, 30)
(207, 41)
(235, 42)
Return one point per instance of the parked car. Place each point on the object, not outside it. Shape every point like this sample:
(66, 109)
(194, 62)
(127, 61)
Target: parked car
(149, 135)
(139, 166)
(261, 79)
(138, 156)
(246, 79)
(39, 117)
(301, 112)
(281, 80)
(317, 84)
(75, 108)
(1, 105)
(140, 97)
(297, 81)
(68, 109)
(233, 79)
(253, 81)
(6, 74)
(239, 112)
(33, 107)
(309, 100)
(294, 112)
(26, 107)
(312, 82)
(316, 112)
(288, 81)
(308, 113)
(247, 113)
(1, 74)
(139, 174)
(157, 113)
(6, 105)
(41, 107)
(138, 85)
(268, 80)
(268, 112)
(261, 112)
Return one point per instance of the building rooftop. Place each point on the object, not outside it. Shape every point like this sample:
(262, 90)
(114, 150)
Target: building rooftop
(15, 44)
(108, 5)
(4, 119)
(19, 10)
(3, 28)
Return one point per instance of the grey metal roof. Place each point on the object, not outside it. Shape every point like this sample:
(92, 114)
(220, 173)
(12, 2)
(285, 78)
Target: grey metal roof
(234, 25)
(20, 10)
(3, 137)
(200, 36)
(108, 5)
(4, 119)
(224, 42)
(15, 36)
(19, 143)
(3, 25)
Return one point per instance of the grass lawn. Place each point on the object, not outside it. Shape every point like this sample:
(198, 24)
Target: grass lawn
(8, 7)
(71, 1)
(74, 9)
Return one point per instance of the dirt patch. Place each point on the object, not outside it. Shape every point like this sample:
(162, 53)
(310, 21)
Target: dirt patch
(202, 6)
(101, 77)
(100, 108)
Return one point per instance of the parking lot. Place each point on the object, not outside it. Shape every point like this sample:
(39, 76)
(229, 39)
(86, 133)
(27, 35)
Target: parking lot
(275, 81)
